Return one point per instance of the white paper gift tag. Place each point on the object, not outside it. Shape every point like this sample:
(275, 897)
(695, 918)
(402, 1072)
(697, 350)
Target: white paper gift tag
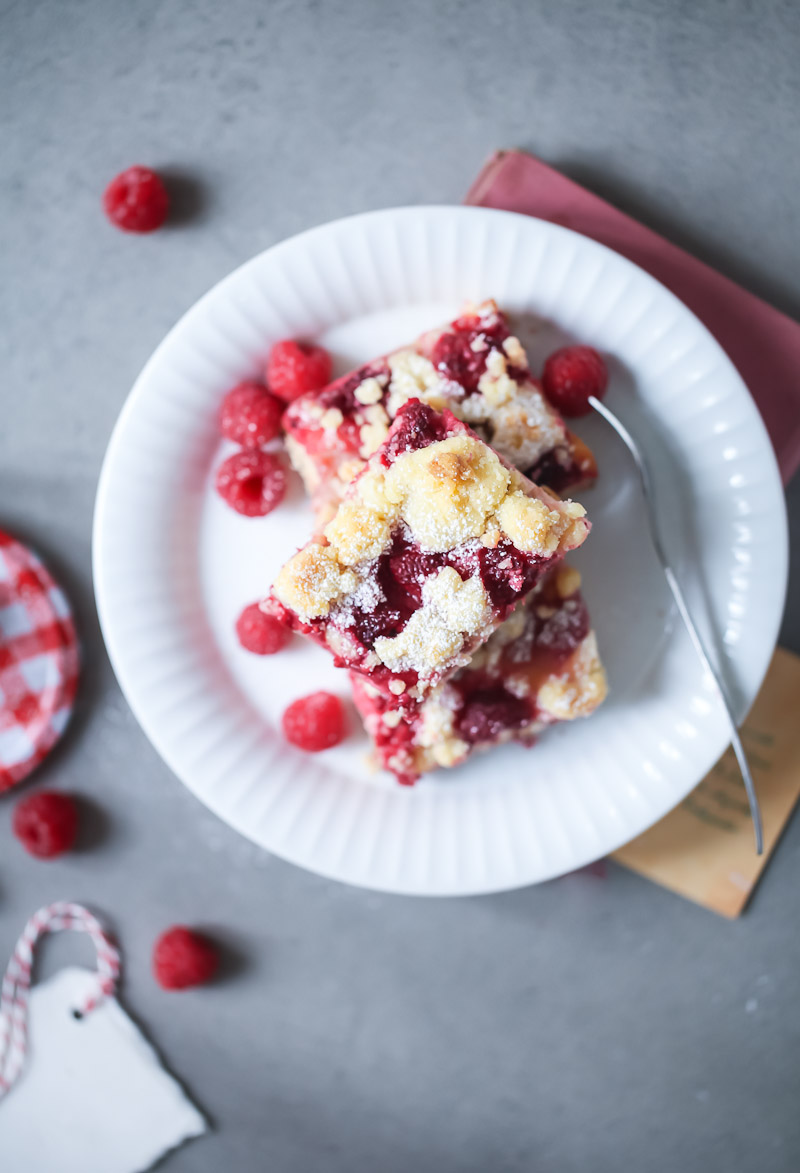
(92, 1096)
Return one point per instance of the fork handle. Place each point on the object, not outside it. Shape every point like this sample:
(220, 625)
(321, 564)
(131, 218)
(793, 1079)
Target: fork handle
(685, 614)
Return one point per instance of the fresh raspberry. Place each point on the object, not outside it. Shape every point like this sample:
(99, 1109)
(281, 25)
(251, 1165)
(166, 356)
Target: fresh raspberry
(136, 200)
(571, 375)
(183, 958)
(261, 633)
(315, 722)
(250, 416)
(46, 823)
(296, 367)
(252, 483)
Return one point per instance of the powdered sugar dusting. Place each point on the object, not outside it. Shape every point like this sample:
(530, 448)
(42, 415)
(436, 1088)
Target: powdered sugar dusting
(366, 598)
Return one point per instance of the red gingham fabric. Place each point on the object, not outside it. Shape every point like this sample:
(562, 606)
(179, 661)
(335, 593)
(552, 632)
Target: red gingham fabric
(38, 661)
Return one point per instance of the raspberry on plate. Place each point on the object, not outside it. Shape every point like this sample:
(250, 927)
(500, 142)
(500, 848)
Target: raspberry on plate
(183, 957)
(571, 375)
(250, 415)
(136, 200)
(315, 722)
(252, 482)
(293, 368)
(262, 634)
(46, 823)
(540, 667)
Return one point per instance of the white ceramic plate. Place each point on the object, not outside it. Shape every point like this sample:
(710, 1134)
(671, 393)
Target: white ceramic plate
(173, 565)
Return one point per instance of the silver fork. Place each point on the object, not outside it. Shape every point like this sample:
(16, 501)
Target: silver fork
(680, 601)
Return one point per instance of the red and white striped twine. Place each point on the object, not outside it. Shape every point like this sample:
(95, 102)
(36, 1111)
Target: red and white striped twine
(17, 981)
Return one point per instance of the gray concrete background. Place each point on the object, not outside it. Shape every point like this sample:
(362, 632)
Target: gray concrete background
(587, 1024)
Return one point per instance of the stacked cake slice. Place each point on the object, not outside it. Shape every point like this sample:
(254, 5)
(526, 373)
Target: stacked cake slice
(539, 667)
(436, 576)
(475, 368)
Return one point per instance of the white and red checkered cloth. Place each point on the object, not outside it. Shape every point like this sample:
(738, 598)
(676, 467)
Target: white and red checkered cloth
(38, 661)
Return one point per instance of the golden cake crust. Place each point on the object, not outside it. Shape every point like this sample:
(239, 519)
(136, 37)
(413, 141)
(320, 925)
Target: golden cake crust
(451, 492)
(454, 494)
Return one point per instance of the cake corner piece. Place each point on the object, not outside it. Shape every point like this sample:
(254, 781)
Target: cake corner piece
(433, 544)
(474, 366)
(541, 667)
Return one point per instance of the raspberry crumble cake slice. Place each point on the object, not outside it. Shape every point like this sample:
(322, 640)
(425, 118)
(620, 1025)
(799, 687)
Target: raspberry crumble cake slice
(435, 542)
(540, 667)
(474, 367)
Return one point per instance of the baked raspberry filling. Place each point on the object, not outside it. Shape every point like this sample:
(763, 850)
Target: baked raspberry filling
(539, 667)
(461, 353)
(474, 367)
(435, 542)
(489, 712)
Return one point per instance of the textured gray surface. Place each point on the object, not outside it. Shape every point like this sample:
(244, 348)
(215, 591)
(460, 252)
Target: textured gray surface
(583, 1025)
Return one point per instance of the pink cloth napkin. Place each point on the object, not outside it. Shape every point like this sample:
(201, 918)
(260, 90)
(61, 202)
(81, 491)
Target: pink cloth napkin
(762, 342)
